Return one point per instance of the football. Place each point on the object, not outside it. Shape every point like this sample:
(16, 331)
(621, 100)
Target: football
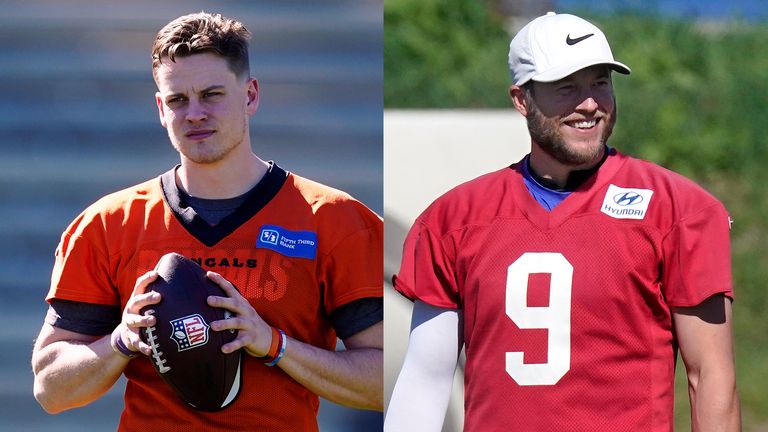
(186, 352)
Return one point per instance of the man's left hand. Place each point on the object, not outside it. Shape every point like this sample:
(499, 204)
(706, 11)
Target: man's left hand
(254, 334)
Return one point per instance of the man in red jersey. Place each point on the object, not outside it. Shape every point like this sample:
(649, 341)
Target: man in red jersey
(570, 277)
(223, 207)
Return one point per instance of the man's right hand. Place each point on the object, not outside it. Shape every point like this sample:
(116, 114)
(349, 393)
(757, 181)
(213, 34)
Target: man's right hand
(132, 320)
(73, 369)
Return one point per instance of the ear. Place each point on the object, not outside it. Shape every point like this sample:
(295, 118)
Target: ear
(252, 104)
(517, 94)
(160, 109)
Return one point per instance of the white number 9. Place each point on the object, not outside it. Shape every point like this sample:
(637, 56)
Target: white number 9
(556, 317)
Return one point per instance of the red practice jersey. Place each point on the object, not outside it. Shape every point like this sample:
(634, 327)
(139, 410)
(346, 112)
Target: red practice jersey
(567, 320)
(296, 250)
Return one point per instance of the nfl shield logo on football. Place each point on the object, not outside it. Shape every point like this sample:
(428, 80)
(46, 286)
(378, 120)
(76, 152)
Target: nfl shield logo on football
(189, 332)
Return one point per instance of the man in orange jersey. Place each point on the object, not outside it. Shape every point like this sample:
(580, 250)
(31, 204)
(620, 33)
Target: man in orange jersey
(222, 207)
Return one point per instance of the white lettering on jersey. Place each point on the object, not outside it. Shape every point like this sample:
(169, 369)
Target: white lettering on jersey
(626, 203)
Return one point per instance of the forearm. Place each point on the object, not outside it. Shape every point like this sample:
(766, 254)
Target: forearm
(705, 339)
(420, 398)
(352, 378)
(714, 404)
(73, 374)
(423, 388)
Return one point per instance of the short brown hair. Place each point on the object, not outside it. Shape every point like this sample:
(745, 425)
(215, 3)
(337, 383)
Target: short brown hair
(200, 33)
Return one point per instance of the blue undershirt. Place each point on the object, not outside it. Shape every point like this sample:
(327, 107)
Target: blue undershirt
(548, 198)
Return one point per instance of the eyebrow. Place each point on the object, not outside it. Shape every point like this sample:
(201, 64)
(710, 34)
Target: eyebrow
(207, 89)
(213, 87)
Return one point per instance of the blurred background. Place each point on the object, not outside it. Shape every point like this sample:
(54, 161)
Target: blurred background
(696, 103)
(78, 120)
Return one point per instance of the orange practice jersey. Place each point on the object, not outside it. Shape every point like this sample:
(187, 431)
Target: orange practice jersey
(296, 250)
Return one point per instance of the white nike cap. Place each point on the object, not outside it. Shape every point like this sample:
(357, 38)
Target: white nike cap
(553, 46)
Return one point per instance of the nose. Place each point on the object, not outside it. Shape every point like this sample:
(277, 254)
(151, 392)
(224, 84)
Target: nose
(588, 104)
(195, 112)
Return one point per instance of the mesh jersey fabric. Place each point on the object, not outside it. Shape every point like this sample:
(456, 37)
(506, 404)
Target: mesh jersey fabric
(124, 234)
(567, 321)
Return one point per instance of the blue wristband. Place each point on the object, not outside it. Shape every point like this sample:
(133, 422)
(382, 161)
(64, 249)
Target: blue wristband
(284, 342)
(120, 348)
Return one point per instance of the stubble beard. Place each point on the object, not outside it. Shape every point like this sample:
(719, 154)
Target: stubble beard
(209, 152)
(546, 133)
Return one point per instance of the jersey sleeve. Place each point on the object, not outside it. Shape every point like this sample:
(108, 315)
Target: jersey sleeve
(427, 270)
(81, 267)
(697, 258)
(353, 267)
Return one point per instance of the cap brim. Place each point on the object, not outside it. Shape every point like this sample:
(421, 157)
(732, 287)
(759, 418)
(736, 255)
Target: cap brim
(563, 71)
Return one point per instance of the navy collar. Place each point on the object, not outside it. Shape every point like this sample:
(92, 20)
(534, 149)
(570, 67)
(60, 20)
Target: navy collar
(209, 235)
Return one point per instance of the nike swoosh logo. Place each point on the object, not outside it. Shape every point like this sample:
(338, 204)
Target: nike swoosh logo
(570, 41)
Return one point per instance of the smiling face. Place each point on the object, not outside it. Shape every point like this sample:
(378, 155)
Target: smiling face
(205, 107)
(571, 119)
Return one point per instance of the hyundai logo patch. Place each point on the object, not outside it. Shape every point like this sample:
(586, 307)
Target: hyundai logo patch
(626, 203)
